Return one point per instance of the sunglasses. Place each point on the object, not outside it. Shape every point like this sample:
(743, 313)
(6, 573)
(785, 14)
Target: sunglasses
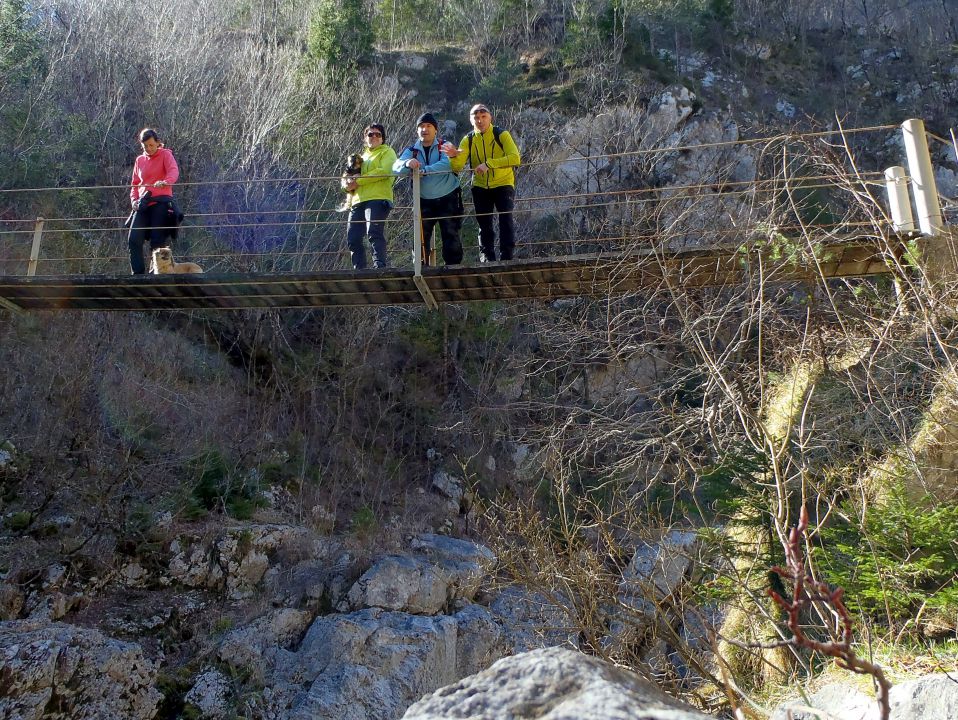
(374, 134)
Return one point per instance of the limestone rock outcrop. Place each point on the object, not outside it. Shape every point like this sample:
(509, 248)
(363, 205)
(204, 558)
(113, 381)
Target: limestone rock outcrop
(237, 560)
(441, 571)
(59, 671)
(372, 664)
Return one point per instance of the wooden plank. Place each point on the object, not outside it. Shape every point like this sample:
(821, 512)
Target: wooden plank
(593, 275)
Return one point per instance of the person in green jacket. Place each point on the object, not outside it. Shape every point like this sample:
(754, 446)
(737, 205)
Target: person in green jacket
(372, 199)
(491, 153)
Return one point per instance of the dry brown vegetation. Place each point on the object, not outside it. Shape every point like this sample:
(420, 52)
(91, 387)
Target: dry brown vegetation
(720, 412)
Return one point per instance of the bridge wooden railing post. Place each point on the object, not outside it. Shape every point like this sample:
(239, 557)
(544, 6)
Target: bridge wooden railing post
(417, 244)
(35, 250)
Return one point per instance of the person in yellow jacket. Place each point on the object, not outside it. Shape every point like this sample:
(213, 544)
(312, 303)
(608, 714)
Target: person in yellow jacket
(491, 153)
(372, 199)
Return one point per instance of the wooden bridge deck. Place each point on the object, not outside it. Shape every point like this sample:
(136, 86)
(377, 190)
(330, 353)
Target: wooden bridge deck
(542, 279)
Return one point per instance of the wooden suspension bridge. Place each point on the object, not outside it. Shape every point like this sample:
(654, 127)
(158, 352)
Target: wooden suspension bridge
(598, 274)
(584, 275)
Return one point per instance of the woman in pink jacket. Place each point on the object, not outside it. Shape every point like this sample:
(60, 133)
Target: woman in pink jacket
(151, 194)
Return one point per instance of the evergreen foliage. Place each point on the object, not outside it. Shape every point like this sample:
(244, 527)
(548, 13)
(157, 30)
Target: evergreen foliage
(901, 558)
(340, 35)
(217, 485)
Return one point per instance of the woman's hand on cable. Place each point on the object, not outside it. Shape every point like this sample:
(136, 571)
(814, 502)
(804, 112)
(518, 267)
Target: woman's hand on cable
(160, 183)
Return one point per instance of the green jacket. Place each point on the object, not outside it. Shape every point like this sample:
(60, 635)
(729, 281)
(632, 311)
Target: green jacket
(485, 149)
(376, 162)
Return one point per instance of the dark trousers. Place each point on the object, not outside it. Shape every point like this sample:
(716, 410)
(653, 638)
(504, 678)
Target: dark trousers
(154, 221)
(368, 218)
(447, 212)
(501, 199)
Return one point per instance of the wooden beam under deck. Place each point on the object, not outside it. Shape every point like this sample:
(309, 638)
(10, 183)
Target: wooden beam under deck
(591, 275)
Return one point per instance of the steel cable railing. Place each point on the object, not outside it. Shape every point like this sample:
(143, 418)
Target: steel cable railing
(600, 214)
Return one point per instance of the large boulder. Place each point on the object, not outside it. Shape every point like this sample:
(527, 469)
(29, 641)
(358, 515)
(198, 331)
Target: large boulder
(464, 562)
(659, 568)
(402, 583)
(531, 620)
(551, 684)
(246, 648)
(58, 671)
(932, 696)
(840, 701)
(372, 664)
(209, 698)
(442, 571)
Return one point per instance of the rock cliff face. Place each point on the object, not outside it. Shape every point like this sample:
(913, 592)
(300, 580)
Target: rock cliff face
(405, 628)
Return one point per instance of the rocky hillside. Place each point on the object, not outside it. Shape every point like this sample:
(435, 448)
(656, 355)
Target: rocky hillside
(334, 513)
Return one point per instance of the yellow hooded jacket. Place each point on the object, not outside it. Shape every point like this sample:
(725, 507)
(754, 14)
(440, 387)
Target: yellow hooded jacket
(376, 181)
(485, 149)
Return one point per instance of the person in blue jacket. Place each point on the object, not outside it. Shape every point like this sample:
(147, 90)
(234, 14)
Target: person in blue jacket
(440, 194)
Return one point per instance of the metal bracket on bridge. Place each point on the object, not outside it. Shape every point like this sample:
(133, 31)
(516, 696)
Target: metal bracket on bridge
(35, 250)
(6, 304)
(417, 277)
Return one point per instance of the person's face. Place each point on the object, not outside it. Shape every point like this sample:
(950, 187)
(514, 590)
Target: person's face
(374, 138)
(427, 133)
(150, 146)
(481, 120)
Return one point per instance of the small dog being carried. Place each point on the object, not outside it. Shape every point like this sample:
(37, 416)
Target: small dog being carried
(163, 263)
(352, 168)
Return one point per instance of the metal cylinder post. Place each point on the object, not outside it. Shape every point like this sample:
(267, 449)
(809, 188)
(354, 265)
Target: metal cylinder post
(35, 250)
(417, 277)
(922, 176)
(416, 225)
(899, 202)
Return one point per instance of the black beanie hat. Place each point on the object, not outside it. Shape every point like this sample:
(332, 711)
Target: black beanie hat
(428, 118)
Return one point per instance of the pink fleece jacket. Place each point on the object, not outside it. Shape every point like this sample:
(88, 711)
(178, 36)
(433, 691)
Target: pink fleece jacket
(149, 168)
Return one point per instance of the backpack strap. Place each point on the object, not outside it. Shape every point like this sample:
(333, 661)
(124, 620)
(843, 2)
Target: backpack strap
(496, 133)
(416, 152)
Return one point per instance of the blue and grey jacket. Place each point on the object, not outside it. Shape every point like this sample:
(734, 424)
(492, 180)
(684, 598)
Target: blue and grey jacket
(438, 180)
